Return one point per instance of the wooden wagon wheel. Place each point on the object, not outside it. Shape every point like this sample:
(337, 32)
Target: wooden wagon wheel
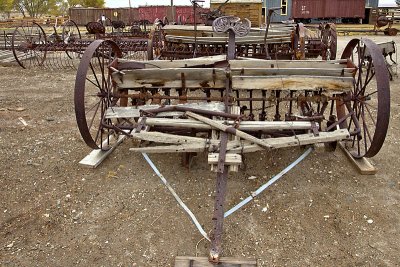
(93, 94)
(29, 45)
(369, 99)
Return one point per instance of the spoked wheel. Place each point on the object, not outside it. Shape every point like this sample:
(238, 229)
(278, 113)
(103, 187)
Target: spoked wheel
(93, 95)
(369, 99)
(70, 35)
(29, 45)
(70, 32)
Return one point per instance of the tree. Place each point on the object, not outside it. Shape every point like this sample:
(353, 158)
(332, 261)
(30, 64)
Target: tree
(6, 6)
(93, 3)
(36, 8)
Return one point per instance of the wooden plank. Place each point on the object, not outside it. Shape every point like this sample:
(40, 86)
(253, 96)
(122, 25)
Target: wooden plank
(346, 72)
(133, 112)
(165, 138)
(243, 146)
(234, 110)
(187, 63)
(171, 78)
(362, 165)
(186, 261)
(97, 156)
(230, 159)
(244, 125)
(298, 140)
(225, 128)
(294, 82)
(281, 64)
(194, 147)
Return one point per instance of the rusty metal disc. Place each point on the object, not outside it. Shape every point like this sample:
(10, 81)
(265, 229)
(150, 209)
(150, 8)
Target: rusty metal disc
(369, 100)
(29, 45)
(93, 94)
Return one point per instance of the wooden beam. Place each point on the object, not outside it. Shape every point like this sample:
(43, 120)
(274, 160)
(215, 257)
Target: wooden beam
(193, 147)
(162, 64)
(230, 159)
(281, 64)
(97, 156)
(243, 146)
(292, 82)
(185, 261)
(298, 140)
(337, 72)
(243, 126)
(133, 112)
(225, 128)
(165, 138)
(362, 165)
(171, 78)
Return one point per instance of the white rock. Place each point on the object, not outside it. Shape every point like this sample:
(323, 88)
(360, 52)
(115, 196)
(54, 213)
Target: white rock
(10, 245)
(252, 177)
(370, 221)
(265, 209)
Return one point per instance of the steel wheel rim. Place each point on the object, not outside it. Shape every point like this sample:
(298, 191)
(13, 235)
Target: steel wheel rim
(33, 47)
(370, 103)
(92, 131)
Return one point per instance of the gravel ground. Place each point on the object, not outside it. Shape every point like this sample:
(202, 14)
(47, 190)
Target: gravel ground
(54, 212)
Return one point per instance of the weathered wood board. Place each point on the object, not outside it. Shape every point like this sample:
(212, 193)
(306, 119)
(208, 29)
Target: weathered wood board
(362, 165)
(185, 261)
(292, 82)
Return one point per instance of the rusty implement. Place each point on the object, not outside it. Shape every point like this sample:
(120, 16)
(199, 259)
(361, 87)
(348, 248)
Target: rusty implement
(275, 42)
(227, 106)
(32, 47)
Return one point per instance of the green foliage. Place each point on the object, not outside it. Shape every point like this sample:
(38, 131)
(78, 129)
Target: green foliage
(36, 8)
(72, 3)
(93, 3)
(6, 5)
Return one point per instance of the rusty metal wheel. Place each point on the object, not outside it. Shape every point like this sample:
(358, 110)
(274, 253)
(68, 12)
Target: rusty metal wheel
(369, 100)
(29, 45)
(93, 94)
(70, 32)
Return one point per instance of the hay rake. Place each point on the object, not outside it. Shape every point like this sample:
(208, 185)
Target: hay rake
(33, 48)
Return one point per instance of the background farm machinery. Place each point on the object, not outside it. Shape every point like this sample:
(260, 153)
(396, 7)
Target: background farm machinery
(33, 47)
(231, 104)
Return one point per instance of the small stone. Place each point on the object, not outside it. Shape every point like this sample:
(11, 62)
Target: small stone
(265, 209)
(326, 217)
(370, 221)
(46, 215)
(252, 177)
(10, 245)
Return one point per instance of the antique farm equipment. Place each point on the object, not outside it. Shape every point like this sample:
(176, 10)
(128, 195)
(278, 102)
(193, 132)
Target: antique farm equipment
(228, 106)
(280, 42)
(32, 47)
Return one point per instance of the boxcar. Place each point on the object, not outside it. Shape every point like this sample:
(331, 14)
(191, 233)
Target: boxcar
(347, 10)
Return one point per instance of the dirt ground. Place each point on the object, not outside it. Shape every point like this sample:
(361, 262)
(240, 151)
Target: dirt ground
(55, 212)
